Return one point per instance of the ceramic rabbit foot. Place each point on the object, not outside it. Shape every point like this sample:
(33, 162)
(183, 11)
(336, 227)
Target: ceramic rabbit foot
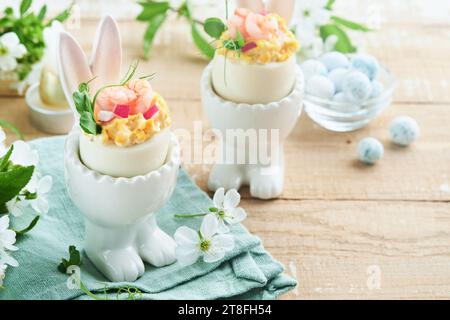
(118, 265)
(266, 182)
(155, 246)
(228, 176)
(112, 250)
(258, 127)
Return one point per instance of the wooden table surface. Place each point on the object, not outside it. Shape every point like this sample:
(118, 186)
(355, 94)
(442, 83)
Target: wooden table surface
(346, 230)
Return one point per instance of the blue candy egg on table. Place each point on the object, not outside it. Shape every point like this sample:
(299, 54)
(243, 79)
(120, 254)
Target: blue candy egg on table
(343, 105)
(320, 86)
(377, 89)
(366, 64)
(312, 67)
(357, 87)
(404, 130)
(370, 150)
(334, 60)
(337, 76)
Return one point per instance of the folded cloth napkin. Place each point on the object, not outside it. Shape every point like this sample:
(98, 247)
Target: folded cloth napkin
(248, 272)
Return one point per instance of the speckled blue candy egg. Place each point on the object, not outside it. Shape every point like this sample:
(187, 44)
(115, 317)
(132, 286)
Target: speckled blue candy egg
(366, 64)
(343, 104)
(404, 130)
(356, 86)
(320, 86)
(370, 150)
(334, 60)
(377, 89)
(337, 76)
(312, 68)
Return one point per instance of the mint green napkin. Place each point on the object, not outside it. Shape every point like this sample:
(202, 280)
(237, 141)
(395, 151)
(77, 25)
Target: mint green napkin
(248, 272)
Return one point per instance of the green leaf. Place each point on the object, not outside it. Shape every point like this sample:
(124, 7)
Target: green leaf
(184, 11)
(151, 9)
(42, 12)
(214, 27)
(87, 123)
(24, 6)
(4, 161)
(350, 24)
(201, 43)
(62, 16)
(343, 44)
(8, 125)
(240, 41)
(29, 227)
(153, 26)
(13, 181)
(74, 260)
(82, 102)
(330, 5)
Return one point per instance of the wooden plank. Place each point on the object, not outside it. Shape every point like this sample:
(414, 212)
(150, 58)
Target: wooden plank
(323, 165)
(338, 246)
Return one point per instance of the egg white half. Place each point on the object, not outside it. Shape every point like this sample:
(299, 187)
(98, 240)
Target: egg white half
(126, 162)
(241, 82)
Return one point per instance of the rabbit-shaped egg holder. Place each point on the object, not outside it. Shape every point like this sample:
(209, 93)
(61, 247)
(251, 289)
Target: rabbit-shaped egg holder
(238, 122)
(121, 231)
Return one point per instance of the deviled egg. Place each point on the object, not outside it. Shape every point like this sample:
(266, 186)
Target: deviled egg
(130, 134)
(255, 59)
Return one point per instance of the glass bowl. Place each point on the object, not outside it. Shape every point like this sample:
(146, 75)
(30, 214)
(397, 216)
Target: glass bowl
(323, 111)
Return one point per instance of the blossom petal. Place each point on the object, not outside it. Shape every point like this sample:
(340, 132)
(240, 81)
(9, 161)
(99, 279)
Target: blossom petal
(8, 260)
(218, 198)
(222, 227)
(223, 241)
(4, 223)
(235, 215)
(185, 235)
(18, 51)
(7, 63)
(232, 199)
(16, 207)
(7, 239)
(212, 256)
(42, 205)
(209, 226)
(2, 136)
(9, 40)
(187, 256)
(23, 155)
(45, 184)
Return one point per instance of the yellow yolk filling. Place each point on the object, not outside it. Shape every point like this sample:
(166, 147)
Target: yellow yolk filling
(280, 48)
(126, 132)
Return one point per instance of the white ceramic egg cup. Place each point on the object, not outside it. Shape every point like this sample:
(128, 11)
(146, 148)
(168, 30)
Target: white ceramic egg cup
(266, 180)
(121, 230)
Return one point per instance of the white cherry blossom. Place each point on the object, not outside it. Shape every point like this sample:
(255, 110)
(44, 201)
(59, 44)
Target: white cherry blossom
(10, 50)
(227, 210)
(207, 242)
(41, 188)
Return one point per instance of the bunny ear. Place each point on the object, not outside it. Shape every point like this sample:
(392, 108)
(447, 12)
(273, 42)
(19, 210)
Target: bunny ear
(284, 8)
(254, 5)
(73, 67)
(107, 53)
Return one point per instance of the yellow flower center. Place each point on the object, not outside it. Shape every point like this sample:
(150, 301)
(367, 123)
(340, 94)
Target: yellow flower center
(205, 245)
(3, 50)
